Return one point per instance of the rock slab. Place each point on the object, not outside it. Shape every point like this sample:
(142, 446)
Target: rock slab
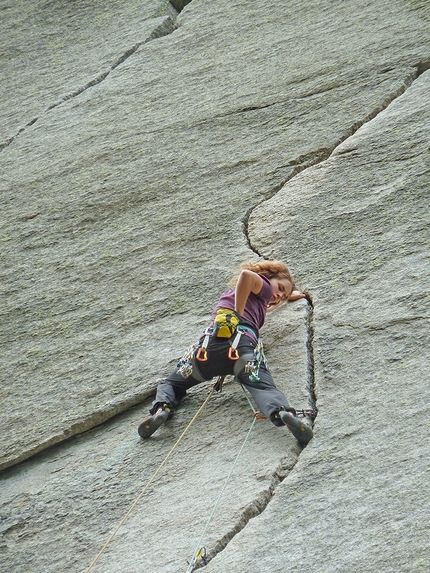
(277, 130)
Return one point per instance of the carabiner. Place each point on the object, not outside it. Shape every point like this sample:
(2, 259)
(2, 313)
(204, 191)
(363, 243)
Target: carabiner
(233, 353)
(200, 352)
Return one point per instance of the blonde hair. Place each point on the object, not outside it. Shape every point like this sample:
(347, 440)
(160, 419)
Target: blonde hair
(269, 269)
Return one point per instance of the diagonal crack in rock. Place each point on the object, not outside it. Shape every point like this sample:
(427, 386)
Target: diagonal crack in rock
(164, 29)
(317, 156)
(253, 508)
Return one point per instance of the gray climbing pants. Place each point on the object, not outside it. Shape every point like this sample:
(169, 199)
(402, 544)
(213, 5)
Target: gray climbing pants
(268, 398)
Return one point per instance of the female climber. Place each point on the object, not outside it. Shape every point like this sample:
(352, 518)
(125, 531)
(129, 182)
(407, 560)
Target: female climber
(231, 346)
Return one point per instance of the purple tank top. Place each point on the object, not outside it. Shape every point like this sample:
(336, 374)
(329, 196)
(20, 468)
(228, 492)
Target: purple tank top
(256, 305)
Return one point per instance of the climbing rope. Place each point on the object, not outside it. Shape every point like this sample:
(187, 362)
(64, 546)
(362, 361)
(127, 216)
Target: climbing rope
(217, 385)
(250, 403)
(200, 552)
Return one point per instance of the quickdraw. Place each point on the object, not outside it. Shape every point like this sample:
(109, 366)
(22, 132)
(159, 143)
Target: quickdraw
(233, 353)
(202, 353)
(253, 366)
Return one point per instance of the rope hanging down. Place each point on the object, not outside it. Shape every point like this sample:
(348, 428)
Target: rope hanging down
(216, 387)
(199, 556)
(200, 552)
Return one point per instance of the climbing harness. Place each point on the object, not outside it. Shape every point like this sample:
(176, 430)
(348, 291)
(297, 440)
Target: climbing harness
(197, 353)
(163, 463)
(202, 353)
(226, 323)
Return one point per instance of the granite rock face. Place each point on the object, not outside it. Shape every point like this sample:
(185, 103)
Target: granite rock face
(146, 154)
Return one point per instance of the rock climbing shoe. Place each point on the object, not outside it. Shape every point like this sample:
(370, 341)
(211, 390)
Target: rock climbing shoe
(300, 430)
(148, 426)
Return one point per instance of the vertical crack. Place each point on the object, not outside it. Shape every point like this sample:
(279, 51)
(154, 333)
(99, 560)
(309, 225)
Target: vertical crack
(310, 362)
